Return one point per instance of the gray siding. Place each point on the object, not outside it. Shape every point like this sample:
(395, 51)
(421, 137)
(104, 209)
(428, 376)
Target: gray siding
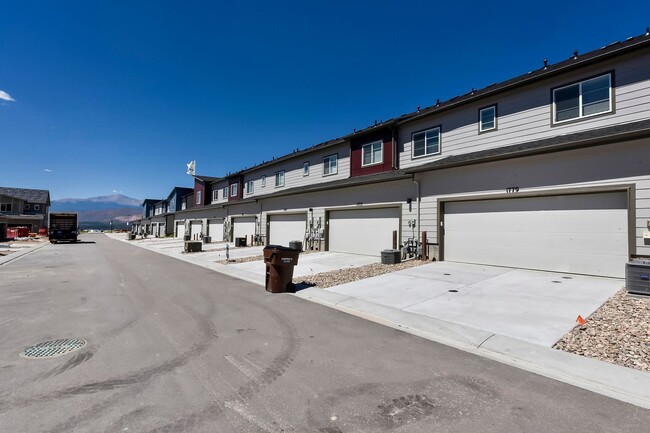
(615, 164)
(293, 171)
(525, 114)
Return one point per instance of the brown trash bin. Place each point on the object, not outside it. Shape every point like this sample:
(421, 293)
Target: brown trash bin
(280, 262)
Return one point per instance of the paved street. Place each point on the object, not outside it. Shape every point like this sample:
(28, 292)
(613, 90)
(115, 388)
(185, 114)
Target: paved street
(173, 347)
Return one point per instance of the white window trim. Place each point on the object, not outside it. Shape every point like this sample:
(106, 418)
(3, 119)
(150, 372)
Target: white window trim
(480, 119)
(37, 207)
(305, 169)
(425, 144)
(233, 190)
(198, 197)
(281, 172)
(224, 192)
(580, 116)
(327, 158)
(250, 187)
(215, 195)
(263, 179)
(381, 152)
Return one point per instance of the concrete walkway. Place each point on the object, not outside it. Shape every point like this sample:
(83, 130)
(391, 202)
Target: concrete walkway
(489, 314)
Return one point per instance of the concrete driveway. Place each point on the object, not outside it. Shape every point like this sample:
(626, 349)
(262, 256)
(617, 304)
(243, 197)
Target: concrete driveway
(538, 307)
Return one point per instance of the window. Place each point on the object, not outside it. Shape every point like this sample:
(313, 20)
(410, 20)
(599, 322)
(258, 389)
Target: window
(37, 207)
(263, 181)
(487, 119)
(584, 99)
(426, 142)
(215, 195)
(224, 192)
(183, 206)
(279, 178)
(198, 197)
(233, 190)
(249, 187)
(372, 153)
(329, 165)
(27, 206)
(5, 207)
(305, 169)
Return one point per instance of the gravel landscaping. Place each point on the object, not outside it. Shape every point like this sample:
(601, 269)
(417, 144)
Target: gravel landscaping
(241, 260)
(342, 276)
(618, 332)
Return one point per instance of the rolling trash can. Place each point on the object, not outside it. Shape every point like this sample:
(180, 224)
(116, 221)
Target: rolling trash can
(279, 262)
(295, 245)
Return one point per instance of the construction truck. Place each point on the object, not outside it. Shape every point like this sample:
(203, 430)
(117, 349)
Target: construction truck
(63, 227)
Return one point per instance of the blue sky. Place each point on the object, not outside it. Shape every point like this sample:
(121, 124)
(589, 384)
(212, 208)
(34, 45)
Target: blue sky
(117, 96)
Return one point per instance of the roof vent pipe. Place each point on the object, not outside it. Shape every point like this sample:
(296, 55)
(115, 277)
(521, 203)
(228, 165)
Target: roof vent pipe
(647, 31)
(575, 54)
(545, 63)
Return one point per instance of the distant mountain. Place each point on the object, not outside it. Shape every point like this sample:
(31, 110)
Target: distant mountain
(100, 211)
(115, 201)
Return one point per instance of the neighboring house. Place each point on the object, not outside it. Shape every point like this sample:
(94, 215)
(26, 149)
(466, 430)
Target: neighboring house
(148, 212)
(543, 171)
(24, 207)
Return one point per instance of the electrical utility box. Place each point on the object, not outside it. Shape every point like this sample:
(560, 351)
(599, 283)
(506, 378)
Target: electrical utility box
(637, 277)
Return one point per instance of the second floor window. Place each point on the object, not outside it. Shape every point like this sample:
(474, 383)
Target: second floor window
(487, 119)
(426, 142)
(5, 207)
(215, 195)
(279, 178)
(330, 165)
(198, 197)
(263, 181)
(371, 153)
(249, 187)
(584, 99)
(233, 190)
(224, 192)
(305, 169)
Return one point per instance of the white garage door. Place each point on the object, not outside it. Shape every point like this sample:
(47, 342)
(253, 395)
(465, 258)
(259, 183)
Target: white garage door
(180, 229)
(215, 229)
(243, 227)
(285, 228)
(195, 229)
(367, 231)
(583, 234)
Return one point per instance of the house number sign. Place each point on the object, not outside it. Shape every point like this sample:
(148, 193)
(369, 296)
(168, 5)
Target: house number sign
(512, 189)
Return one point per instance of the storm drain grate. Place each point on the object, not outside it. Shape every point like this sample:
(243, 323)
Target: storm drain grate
(54, 348)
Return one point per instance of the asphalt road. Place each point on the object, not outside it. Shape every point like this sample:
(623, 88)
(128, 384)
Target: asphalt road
(176, 348)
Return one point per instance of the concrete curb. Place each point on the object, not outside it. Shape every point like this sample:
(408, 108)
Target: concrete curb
(622, 383)
(18, 254)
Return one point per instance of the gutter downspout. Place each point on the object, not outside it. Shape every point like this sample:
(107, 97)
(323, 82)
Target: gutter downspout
(417, 193)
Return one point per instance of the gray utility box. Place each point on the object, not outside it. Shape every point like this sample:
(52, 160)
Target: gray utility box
(193, 246)
(637, 277)
(391, 257)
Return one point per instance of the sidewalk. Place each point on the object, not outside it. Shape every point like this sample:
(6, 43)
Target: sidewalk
(19, 250)
(611, 380)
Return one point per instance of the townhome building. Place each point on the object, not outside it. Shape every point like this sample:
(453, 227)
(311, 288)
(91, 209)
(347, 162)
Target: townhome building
(547, 170)
(23, 207)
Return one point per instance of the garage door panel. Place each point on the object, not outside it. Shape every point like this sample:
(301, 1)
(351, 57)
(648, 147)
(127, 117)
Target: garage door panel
(363, 231)
(195, 229)
(580, 233)
(215, 229)
(285, 228)
(243, 227)
(180, 230)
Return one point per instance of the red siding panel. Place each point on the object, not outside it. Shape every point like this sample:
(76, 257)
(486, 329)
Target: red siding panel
(356, 154)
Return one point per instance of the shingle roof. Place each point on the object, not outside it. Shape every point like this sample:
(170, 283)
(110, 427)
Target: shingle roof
(592, 137)
(29, 195)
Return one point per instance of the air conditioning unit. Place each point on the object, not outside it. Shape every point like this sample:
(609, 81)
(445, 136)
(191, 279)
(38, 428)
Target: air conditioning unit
(637, 277)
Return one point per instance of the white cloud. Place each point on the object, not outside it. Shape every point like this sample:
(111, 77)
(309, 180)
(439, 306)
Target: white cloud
(6, 96)
(47, 170)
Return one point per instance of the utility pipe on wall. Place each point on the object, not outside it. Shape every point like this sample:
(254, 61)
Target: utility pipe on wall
(417, 193)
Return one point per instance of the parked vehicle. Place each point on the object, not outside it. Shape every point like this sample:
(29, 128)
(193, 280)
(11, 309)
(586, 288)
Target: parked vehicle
(63, 227)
